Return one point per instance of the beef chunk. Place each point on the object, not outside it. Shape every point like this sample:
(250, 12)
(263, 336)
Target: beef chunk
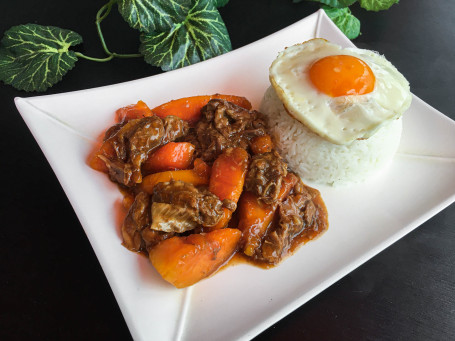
(134, 140)
(113, 130)
(265, 176)
(136, 231)
(172, 218)
(137, 219)
(296, 213)
(151, 237)
(225, 125)
(179, 206)
(230, 204)
(174, 128)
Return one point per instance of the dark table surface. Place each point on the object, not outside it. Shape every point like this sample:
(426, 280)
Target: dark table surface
(51, 284)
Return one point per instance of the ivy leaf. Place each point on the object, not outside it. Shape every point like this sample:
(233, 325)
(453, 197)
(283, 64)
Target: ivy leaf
(220, 3)
(335, 3)
(377, 5)
(200, 36)
(346, 22)
(153, 15)
(35, 57)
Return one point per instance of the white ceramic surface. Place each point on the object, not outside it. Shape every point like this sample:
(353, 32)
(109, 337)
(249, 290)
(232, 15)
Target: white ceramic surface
(242, 300)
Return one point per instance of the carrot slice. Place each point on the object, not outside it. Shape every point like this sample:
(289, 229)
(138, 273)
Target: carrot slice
(255, 217)
(189, 108)
(171, 156)
(227, 179)
(199, 175)
(133, 111)
(261, 144)
(183, 261)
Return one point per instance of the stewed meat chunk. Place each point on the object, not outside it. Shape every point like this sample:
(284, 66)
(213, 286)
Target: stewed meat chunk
(174, 128)
(179, 206)
(136, 231)
(265, 175)
(137, 219)
(225, 125)
(134, 140)
(296, 214)
(152, 237)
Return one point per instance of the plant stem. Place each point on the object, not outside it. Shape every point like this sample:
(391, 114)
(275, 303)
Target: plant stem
(127, 55)
(78, 54)
(100, 16)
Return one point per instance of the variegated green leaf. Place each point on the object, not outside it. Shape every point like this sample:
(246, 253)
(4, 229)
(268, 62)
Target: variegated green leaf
(220, 3)
(35, 57)
(200, 36)
(377, 5)
(346, 22)
(153, 15)
(336, 3)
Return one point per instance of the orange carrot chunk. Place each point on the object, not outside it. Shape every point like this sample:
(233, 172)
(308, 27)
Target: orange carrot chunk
(171, 156)
(183, 261)
(261, 144)
(189, 108)
(133, 111)
(199, 175)
(255, 217)
(227, 179)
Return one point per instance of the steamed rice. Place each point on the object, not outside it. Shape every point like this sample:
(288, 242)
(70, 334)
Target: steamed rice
(315, 159)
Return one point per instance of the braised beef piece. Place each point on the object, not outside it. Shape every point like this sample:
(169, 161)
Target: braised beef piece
(134, 140)
(296, 213)
(174, 128)
(179, 206)
(152, 237)
(113, 130)
(136, 231)
(230, 204)
(137, 219)
(224, 125)
(265, 176)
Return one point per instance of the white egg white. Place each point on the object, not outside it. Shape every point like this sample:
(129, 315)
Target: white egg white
(343, 119)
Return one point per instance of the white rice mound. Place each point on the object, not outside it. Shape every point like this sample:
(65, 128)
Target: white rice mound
(318, 160)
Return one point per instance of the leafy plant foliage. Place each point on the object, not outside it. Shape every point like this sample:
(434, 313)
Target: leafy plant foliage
(174, 34)
(343, 18)
(336, 3)
(377, 5)
(34, 57)
(153, 15)
(341, 15)
(220, 3)
(200, 36)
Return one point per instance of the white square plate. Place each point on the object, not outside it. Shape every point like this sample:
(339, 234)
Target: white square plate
(240, 301)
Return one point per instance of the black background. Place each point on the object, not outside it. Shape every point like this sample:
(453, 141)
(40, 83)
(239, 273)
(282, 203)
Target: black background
(51, 284)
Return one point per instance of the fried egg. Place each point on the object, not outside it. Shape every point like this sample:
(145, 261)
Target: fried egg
(340, 94)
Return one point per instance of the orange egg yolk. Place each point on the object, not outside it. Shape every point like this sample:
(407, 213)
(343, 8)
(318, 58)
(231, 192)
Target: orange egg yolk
(342, 75)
